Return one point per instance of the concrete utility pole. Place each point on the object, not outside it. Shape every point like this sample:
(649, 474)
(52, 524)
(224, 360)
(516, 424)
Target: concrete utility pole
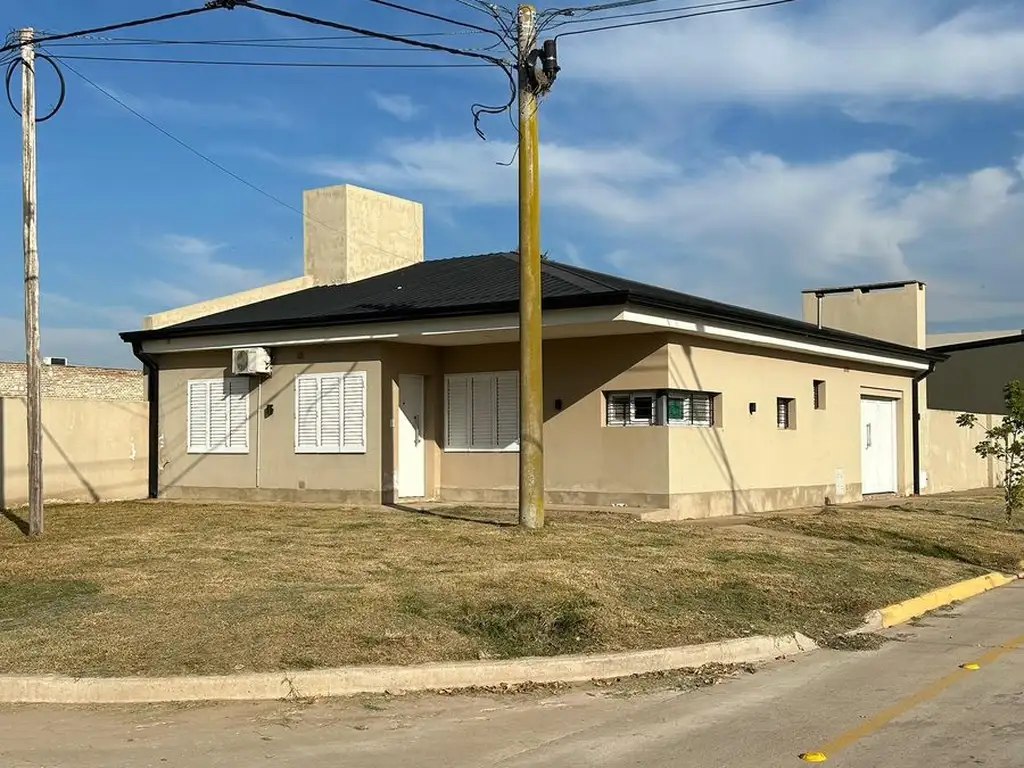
(531, 384)
(33, 390)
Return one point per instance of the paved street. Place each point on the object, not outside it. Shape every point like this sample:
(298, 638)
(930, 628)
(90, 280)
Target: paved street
(909, 703)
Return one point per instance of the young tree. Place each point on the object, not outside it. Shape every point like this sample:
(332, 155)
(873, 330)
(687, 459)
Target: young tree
(1005, 442)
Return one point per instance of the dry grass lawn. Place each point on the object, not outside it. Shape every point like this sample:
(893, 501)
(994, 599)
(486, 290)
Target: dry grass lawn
(154, 588)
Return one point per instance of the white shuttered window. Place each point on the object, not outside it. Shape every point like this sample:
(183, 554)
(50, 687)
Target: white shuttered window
(482, 412)
(330, 413)
(218, 415)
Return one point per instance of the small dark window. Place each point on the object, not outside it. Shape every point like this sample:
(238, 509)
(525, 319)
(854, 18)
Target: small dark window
(785, 412)
(819, 395)
(643, 409)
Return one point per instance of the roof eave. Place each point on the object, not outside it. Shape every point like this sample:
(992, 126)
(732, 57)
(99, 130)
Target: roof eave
(861, 343)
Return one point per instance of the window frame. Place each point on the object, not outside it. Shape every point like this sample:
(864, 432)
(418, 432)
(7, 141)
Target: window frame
(818, 395)
(495, 378)
(226, 383)
(342, 447)
(790, 405)
(660, 399)
(682, 394)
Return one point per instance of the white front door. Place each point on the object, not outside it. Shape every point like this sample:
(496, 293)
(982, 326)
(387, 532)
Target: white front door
(412, 454)
(878, 473)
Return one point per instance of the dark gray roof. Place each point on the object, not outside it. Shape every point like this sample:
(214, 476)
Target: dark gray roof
(483, 285)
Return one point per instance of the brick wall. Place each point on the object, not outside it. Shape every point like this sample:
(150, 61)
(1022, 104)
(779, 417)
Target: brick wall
(76, 382)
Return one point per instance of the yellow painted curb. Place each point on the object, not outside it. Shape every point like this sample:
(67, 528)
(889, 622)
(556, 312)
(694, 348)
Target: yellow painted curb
(916, 606)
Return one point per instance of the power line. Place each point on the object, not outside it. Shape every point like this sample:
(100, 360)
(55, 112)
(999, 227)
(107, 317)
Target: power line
(284, 64)
(712, 12)
(371, 33)
(209, 6)
(551, 23)
(90, 40)
(272, 46)
(190, 148)
(436, 17)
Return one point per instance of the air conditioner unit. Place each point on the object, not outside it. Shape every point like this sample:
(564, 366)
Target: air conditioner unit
(55, 361)
(250, 361)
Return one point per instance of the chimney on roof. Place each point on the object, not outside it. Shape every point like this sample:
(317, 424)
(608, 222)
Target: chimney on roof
(351, 233)
(888, 311)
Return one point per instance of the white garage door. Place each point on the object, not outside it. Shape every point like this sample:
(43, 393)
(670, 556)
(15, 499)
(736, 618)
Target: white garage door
(878, 445)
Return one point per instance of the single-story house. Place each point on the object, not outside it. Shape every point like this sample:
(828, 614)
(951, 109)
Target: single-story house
(378, 376)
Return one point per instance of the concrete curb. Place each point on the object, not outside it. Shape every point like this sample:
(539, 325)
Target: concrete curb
(898, 613)
(347, 681)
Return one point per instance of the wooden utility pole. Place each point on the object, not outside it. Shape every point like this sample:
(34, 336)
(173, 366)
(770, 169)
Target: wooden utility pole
(531, 385)
(33, 390)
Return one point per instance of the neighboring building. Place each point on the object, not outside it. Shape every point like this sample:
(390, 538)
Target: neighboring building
(978, 368)
(76, 382)
(95, 433)
(386, 377)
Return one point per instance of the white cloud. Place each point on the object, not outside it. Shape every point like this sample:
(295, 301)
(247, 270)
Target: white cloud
(254, 112)
(81, 345)
(861, 51)
(483, 175)
(197, 273)
(79, 313)
(398, 105)
(753, 228)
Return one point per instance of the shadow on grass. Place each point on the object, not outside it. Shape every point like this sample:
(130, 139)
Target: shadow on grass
(451, 516)
(917, 545)
(19, 522)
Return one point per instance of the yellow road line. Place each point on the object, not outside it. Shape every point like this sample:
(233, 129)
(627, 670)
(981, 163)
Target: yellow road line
(843, 740)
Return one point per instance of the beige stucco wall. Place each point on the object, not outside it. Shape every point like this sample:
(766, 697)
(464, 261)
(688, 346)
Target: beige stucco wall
(972, 380)
(584, 461)
(892, 314)
(271, 469)
(746, 463)
(93, 450)
(351, 233)
(949, 461)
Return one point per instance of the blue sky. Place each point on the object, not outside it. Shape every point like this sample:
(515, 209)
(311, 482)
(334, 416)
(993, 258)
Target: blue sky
(742, 157)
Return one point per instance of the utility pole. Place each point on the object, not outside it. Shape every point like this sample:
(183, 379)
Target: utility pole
(532, 82)
(531, 384)
(33, 390)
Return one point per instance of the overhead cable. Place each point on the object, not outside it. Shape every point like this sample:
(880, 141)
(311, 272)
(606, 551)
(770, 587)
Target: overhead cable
(283, 64)
(695, 14)
(210, 6)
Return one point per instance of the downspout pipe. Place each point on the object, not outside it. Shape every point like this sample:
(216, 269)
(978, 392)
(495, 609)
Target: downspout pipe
(153, 398)
(915, 407)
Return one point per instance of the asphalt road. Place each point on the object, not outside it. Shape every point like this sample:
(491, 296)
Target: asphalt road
(909, 703)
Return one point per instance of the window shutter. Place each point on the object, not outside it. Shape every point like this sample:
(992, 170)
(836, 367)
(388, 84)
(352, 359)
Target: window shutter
(198, 416)
(307, 396)
(353, 418)
(219, 415)
(507, 387)
(483, 401)
(618, 409)
(700, 412)
(329, 412)
(237, 406)
(783, 413)
(457, 417)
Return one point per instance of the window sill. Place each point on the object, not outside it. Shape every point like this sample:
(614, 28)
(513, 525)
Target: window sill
(482, 450)
(329, 452)
(215, 451)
